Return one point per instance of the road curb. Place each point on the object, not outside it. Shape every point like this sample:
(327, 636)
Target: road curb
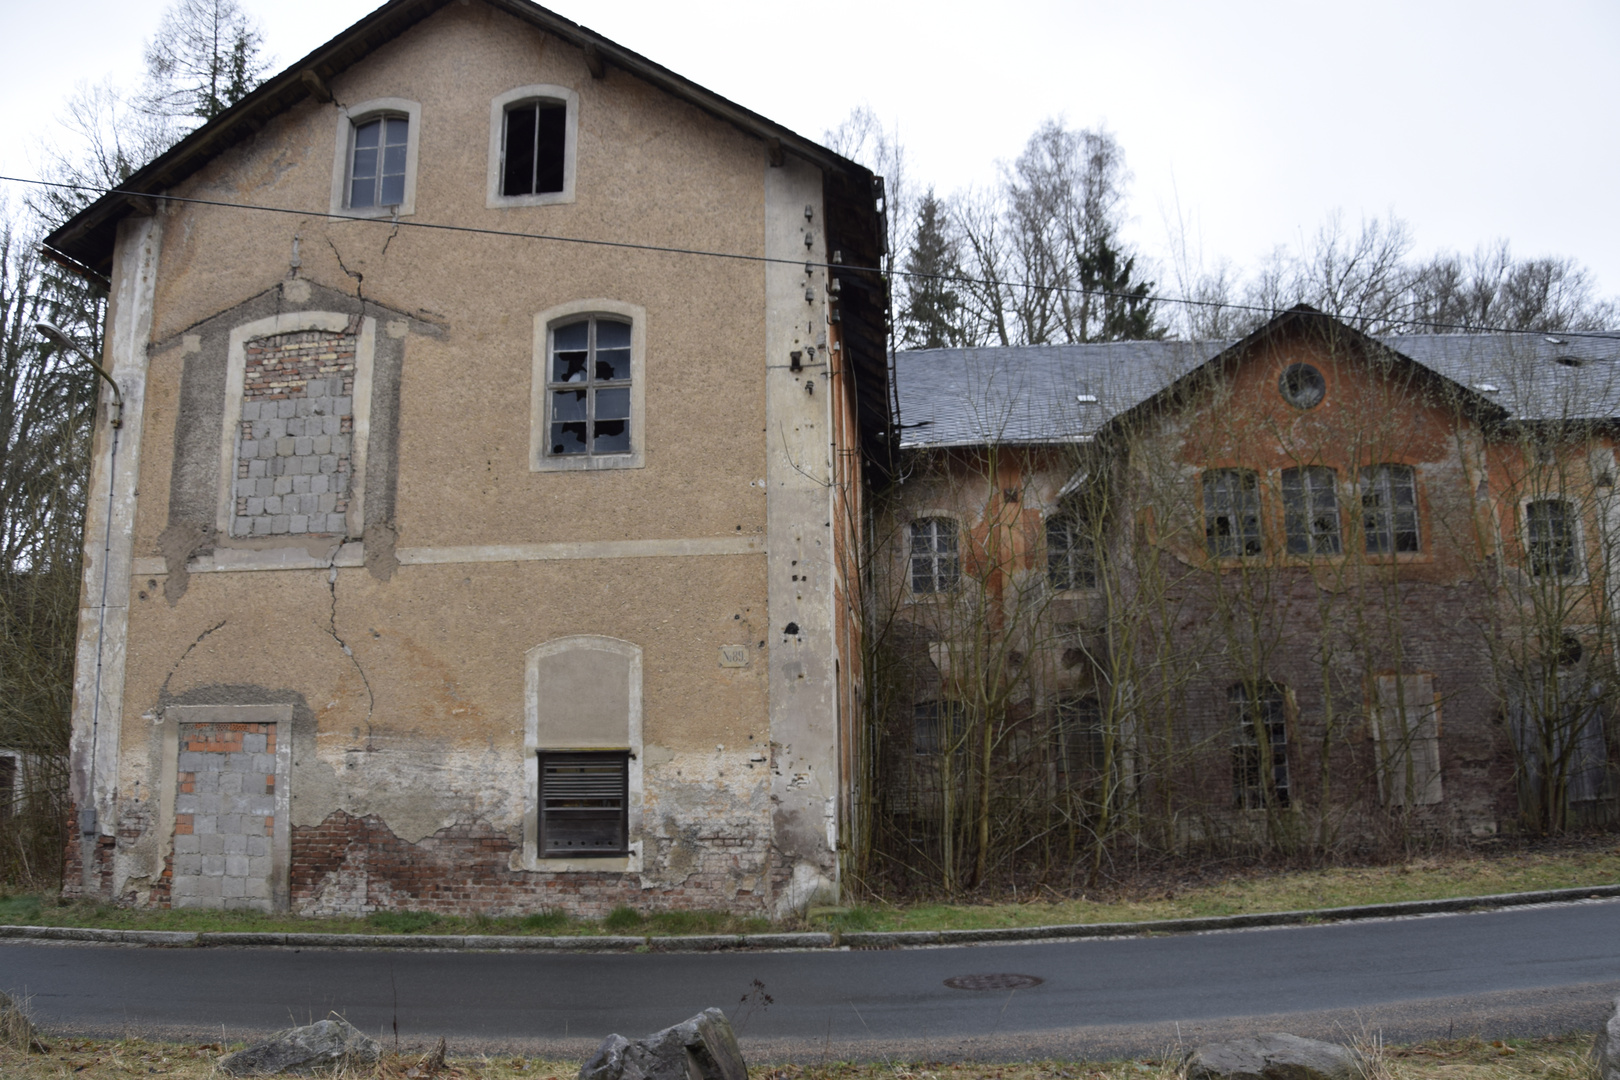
(865, 939)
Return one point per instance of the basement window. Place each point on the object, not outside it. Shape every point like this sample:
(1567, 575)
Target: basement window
(1259, 746)
(584, 803)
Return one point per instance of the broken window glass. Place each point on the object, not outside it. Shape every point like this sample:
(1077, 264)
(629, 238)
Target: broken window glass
(590, 388)
(1389, 514)
(1259, 768)
(1232, 512)
(936, 567)
(583, 802)
(1551, 538)
(377, 168)
(1311, 511)
(532, 155)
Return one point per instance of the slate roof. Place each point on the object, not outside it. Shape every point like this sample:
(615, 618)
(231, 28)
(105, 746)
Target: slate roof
(1033, 394)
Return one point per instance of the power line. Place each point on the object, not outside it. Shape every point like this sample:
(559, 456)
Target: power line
(397, 222)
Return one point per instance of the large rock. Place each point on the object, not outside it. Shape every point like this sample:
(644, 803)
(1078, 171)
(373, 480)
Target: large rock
(300, 1049)
(1608, 1046)
(1272, 1056)
(702, 1048)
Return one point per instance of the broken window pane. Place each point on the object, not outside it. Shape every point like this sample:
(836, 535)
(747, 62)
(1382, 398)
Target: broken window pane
(1232, 512)
(1259, 768)
(588, 354)
(1389, 509)
(1311, 511)
(550, 146)
(534, 149)
(1551, 538)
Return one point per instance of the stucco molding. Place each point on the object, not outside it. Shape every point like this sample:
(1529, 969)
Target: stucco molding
(528, 858)
(544, 322)
(350, 115)
(497, 156)
(292, 322)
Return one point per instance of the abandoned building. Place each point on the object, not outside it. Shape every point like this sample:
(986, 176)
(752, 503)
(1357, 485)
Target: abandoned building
(492, 404)
(1306, 589)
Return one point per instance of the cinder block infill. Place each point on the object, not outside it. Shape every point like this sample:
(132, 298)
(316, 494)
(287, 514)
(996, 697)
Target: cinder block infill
(789, 942)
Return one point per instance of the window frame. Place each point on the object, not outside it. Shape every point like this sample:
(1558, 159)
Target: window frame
(942, 587)
(1575, 548)
(618, 758)
(1250, 789)
(1079, 567)
(497, 145)
(349, 120)
(540, 458)
(1213, 513)
(1306, 512)
(1387, 513)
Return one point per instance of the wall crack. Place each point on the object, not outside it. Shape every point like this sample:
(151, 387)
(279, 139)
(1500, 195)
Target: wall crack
(332, 632)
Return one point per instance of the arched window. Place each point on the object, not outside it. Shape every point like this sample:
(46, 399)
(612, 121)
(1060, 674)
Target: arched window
(589, 387)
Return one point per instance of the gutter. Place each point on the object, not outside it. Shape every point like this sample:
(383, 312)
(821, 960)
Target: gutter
(883, 939)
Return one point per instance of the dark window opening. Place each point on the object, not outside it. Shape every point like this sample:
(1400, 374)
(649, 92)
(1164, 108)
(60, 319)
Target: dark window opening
(1259, 769)
(1302, 386)
(1232, 512)
(1389, 514)
(1311, 511)
(1081, 750)
(584, 800)
(1552, 538)
(534, 148)
(8, 785)
(938, 727)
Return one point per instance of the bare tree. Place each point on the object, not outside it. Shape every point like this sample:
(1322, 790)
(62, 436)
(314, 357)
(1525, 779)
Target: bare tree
(205, 57)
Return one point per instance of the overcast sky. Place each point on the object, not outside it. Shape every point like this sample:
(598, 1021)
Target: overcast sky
(1247, 121)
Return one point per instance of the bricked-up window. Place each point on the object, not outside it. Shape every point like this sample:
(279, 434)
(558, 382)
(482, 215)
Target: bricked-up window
(935, 560)
(534, 147)
(1389, 513)
(294, 446)
(1259, 745)
(377, 162)
(1071, 554)
(588, 388)
(584, 801)
(1232, 512)
(1406, 726)
(1311, 511)
(937, 727)
(1550, 536)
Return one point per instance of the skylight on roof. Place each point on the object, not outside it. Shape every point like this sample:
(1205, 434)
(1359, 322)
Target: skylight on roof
(1086, 399)
(1487, 388)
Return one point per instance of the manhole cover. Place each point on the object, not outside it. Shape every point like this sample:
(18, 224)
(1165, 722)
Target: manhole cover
(993, 982)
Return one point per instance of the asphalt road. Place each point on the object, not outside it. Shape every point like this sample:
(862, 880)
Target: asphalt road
(1522, 971)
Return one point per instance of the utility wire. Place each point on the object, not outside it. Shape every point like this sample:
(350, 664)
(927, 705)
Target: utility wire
(962, 279)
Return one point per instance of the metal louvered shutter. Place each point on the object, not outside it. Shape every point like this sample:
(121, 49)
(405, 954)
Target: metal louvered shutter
(583, 800)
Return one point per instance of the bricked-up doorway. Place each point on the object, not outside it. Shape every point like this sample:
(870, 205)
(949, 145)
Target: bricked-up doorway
(227, 805)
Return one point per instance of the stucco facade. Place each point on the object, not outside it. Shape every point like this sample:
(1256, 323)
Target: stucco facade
(336, 515)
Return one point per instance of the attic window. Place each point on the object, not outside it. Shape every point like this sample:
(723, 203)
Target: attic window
(535, 148)
(1302, 386)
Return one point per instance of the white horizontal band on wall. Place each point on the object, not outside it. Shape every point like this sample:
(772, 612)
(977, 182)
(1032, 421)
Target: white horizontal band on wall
(225, 560)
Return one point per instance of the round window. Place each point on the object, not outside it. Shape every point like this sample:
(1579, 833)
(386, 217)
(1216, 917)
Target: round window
(1302, 386)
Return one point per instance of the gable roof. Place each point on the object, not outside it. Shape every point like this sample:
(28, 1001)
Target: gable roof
(87, 238)
(1037, 394)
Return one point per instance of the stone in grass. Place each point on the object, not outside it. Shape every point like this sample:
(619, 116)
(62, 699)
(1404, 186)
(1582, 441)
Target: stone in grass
(1608, 1046)
(300, 1049)
(702, 1048)
(1272, 1056)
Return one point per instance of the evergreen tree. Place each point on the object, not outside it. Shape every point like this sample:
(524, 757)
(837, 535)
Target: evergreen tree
(932, 316)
